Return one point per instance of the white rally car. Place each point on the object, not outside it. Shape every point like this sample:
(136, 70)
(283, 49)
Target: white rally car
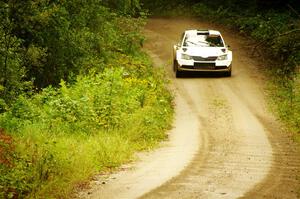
(202, 50)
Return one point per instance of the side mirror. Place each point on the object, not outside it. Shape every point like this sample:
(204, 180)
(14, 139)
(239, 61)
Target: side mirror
(177, 46)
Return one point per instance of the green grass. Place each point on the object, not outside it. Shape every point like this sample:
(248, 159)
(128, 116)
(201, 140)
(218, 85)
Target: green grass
(57, 163)
(285, 102)
(62, 136)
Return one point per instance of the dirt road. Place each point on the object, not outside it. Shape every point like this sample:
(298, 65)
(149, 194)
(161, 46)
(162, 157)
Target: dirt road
(225, 143)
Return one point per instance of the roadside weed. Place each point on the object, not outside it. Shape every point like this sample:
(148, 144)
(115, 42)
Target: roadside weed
(65, 135)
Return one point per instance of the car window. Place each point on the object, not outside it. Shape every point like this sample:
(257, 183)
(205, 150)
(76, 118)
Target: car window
(203, 40)
(215, 40)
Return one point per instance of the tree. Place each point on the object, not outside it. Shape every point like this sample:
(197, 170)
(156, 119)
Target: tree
(12, 71)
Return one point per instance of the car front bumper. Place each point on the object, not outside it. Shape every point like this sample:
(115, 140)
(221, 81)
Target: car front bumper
(191, 65)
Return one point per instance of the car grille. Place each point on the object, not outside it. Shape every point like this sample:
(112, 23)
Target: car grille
(204, 65)
(198, 58)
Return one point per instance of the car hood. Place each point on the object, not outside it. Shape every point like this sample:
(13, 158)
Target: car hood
(204, 51)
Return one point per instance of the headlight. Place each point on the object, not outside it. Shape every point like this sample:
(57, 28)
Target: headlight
(222, 57)
(185, 56)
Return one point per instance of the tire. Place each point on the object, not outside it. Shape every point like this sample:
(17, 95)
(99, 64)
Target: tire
(228, 73)
(174, 65)
(175, 69)
(178, 73)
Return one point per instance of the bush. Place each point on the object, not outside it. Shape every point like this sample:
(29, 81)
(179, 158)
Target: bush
(101, 120)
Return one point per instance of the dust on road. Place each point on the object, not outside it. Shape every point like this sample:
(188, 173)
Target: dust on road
(229, 145)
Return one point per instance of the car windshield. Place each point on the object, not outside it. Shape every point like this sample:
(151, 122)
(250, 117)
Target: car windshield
(203, 41)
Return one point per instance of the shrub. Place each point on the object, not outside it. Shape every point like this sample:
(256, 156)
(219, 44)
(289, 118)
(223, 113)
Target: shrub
(100, 119)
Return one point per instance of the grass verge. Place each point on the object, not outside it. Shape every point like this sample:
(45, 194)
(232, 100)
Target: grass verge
(62, 136)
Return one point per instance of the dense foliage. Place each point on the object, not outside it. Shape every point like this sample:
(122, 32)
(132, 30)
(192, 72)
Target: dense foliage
(45, 41)
(74, 88)
(101, 119)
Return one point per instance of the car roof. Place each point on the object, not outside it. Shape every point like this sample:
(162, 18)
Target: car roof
(206, 32)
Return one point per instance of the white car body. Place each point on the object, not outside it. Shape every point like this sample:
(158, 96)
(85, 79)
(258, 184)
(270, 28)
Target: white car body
(202, 50)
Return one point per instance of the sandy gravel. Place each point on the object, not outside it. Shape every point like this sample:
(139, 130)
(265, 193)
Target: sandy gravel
(224, 144)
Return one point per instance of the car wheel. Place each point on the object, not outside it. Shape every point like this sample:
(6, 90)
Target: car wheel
(175, 68)
(228, 73)
(178, 73)
(174, 65)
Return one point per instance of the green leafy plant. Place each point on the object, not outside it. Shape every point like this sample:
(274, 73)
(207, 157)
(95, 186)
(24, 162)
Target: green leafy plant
(118, 107)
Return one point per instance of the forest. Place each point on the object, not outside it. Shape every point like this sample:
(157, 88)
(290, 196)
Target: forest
(75, 85)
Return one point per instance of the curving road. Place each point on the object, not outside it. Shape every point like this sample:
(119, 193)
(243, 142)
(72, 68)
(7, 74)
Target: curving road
(225, 143)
